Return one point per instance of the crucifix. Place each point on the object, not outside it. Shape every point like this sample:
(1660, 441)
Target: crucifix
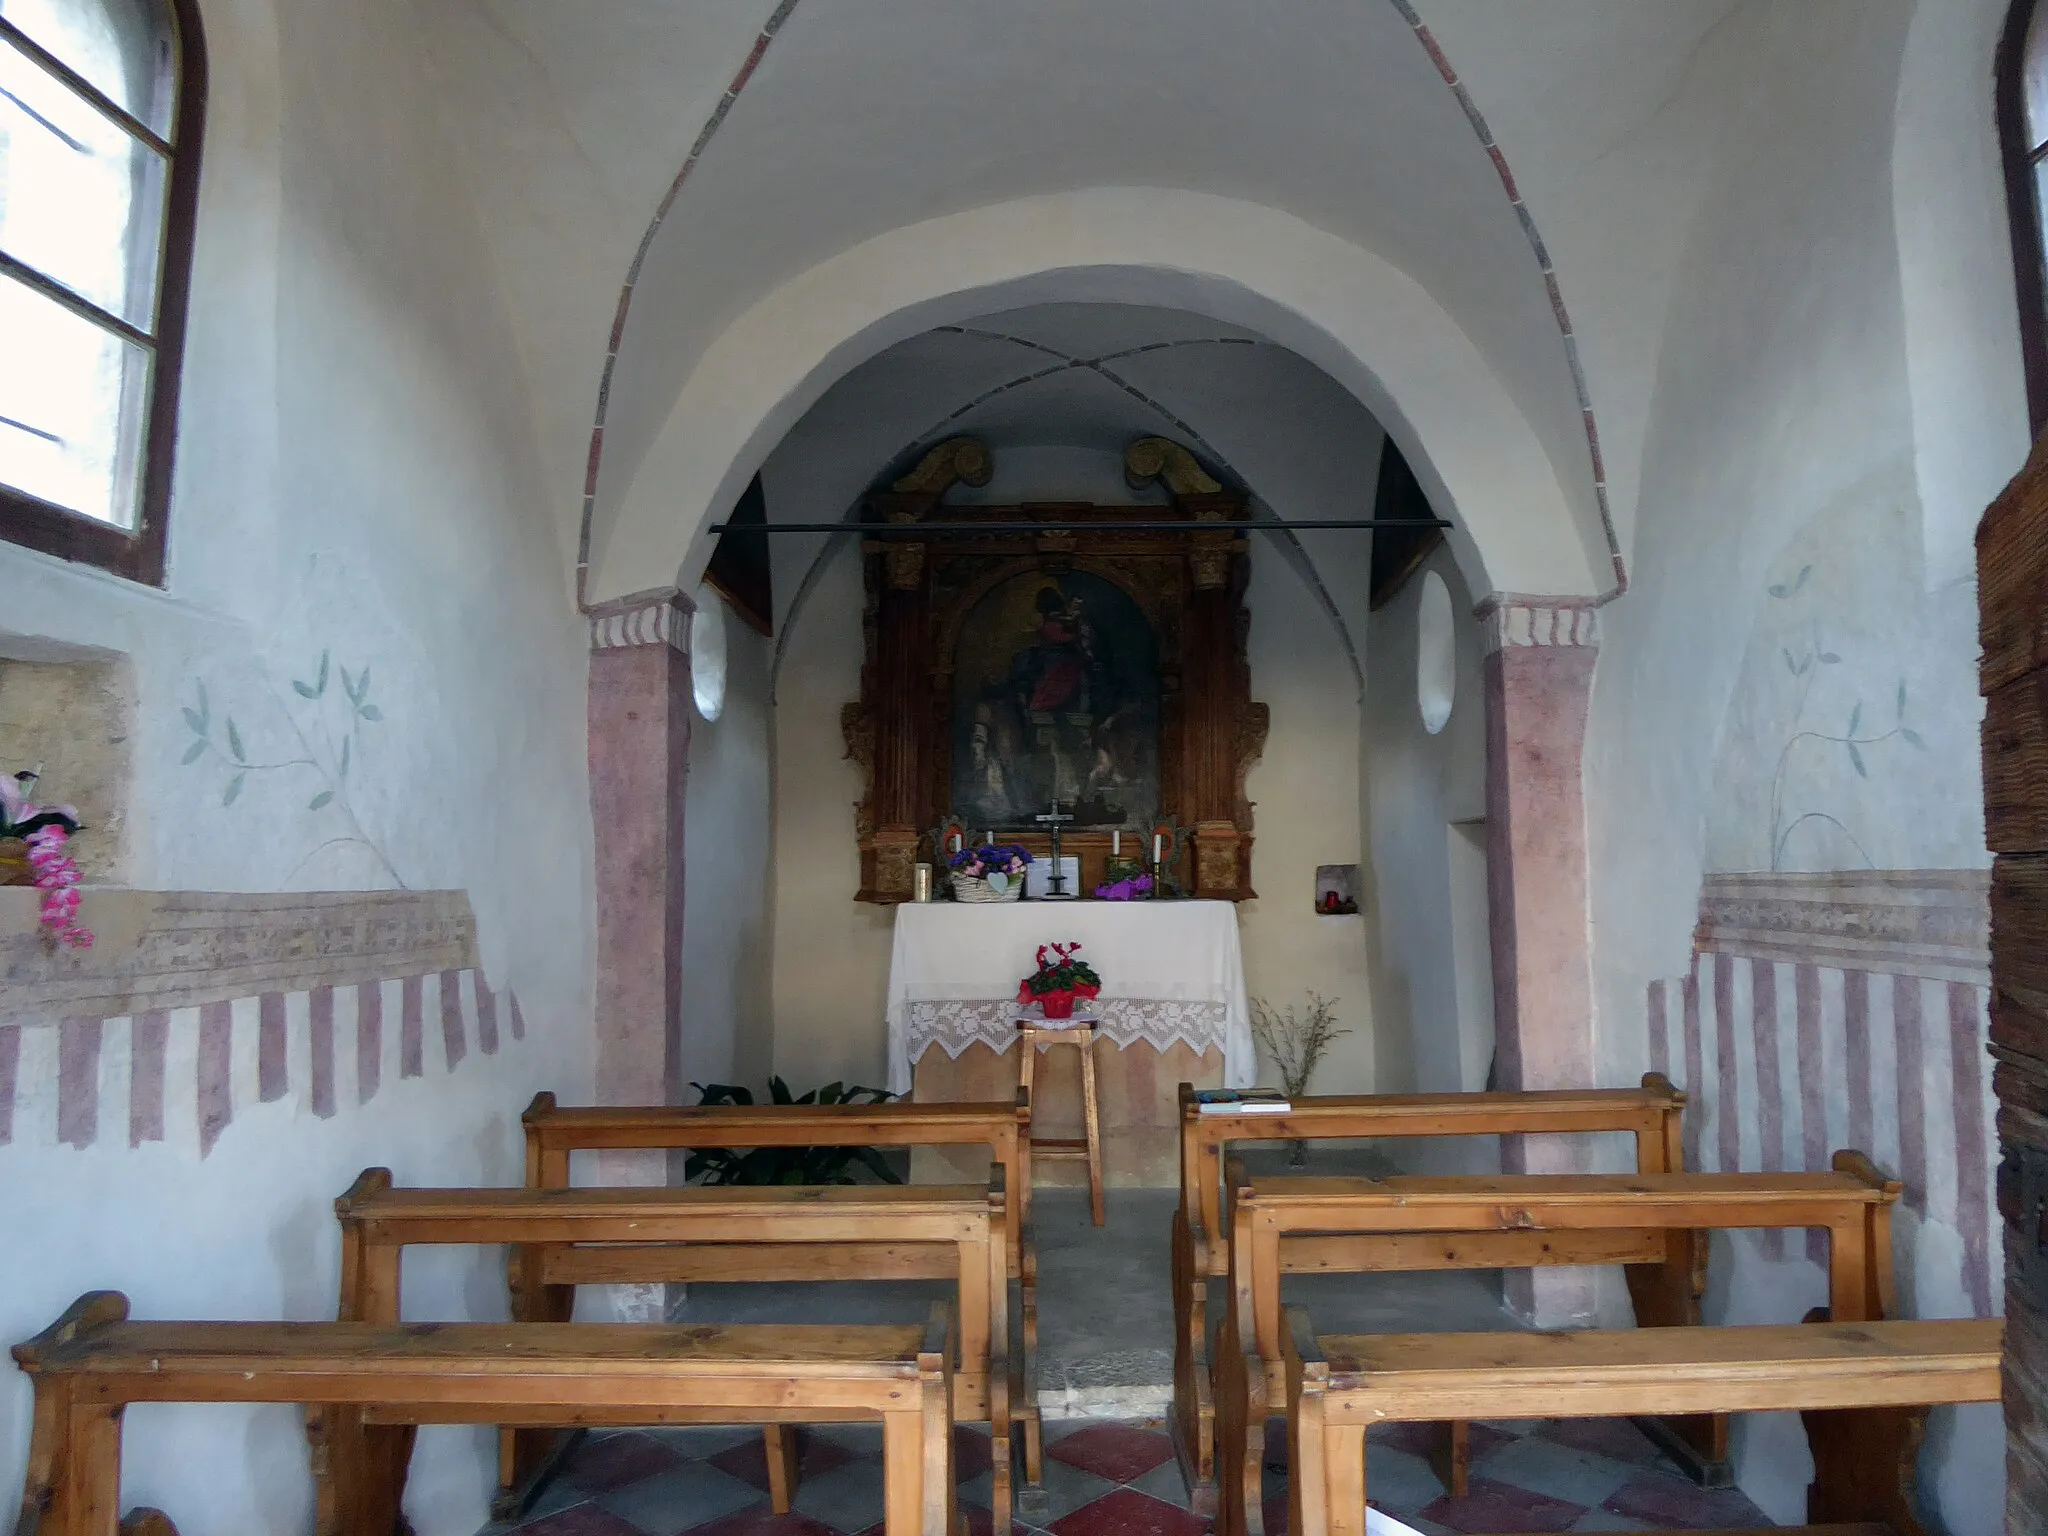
(1056, 885)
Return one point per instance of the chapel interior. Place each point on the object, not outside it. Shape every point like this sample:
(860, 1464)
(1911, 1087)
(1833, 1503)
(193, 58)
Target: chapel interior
(570, 575)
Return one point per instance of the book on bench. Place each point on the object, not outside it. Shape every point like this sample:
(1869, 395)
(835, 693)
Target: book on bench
(1241, 1101)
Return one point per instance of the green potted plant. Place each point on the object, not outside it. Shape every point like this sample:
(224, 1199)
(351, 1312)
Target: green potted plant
(786, 1165)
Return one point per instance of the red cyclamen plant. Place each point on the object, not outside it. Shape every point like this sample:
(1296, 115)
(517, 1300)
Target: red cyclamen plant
(1059, 981)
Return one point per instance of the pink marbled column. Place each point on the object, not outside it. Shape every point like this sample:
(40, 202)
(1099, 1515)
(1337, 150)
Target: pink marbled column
(639, 756)
(1539, 681)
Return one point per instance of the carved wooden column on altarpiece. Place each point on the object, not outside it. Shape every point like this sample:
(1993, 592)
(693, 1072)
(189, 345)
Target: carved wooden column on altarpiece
(1539, 683)
(1224, 731)
(639, 724)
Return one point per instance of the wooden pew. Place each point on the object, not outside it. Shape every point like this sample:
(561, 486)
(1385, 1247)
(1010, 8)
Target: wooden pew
(376, 1381)
(561, 1238)
(1654, 1224)
(1863, 1388)
(553, 1133)
(1201, 1252)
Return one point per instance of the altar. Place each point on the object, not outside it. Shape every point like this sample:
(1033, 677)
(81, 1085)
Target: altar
(1173, 1009)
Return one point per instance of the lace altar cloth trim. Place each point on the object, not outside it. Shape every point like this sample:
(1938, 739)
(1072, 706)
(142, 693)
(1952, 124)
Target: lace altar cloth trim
(955, 1025)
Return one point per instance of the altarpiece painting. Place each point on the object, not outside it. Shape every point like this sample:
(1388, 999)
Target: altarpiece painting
(1094, 664)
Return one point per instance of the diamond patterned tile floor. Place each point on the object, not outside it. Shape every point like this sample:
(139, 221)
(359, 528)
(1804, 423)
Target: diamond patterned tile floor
(1105, 1478)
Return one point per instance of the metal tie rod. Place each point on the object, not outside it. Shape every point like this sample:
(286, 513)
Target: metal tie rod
(1160, 525)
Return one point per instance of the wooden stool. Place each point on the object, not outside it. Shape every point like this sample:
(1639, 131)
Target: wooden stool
(1033, 1038)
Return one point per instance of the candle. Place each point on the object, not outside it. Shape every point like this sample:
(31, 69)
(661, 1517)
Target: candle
(1155, 850)
(956, 842)
(1116, 844)
(991, 834)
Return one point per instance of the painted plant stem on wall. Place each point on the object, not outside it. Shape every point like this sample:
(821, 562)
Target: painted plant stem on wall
(328, 727)
(1855, 736)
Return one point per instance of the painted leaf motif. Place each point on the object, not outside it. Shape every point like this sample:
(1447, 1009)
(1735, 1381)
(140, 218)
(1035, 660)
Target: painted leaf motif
(321, 800)
(235, 741)
(303, 690)
(320, 686)
(192, 753)
(348, 685)
(371, 712)
(1804, 572)
(1790, 665)
(1855, 718)
(196, 720)
(1829, 658)
(1902, 698)
(1856, 760)
(346, 742)
(1780, 590)
(234, 789)
(205, 709)
(1913, 737)
(362, 685)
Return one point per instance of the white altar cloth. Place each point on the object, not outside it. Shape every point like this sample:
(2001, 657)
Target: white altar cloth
(1171, 971)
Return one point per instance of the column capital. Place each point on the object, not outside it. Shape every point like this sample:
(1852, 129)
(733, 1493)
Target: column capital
(1514, 620)
(657, 617)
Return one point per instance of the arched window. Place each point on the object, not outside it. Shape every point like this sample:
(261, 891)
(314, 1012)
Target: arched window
(100, 104)
(2023, 130)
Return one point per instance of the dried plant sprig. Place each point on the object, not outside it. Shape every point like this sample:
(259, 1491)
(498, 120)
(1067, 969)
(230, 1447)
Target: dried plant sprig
(1297, 1043)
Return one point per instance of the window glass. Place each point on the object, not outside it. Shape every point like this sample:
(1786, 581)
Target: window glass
(81, 199)
(72, 405)
(83, 195)
(122, 47)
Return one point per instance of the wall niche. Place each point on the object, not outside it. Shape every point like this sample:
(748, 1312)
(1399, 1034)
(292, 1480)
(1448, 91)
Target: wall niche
(71, 712)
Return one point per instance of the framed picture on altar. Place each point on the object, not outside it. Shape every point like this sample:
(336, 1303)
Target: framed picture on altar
(1038, 876)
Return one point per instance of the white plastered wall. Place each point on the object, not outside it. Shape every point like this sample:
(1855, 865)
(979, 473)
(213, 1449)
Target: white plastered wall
(1791, 431)
(1432, 991)
(354, 479)
(728, 1023)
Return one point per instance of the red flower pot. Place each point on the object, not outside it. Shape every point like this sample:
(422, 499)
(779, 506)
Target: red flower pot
(1057, 1005)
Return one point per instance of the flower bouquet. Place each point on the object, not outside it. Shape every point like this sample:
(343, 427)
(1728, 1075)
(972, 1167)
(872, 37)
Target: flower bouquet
(991, 872)
(32, 839)
(1059, 981)
(1127, 881)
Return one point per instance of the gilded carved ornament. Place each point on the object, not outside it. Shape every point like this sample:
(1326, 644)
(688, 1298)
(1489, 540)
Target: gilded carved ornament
(1160, 458)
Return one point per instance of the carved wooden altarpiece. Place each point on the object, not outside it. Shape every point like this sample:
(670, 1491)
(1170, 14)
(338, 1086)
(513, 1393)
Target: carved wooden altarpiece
(1153, 620)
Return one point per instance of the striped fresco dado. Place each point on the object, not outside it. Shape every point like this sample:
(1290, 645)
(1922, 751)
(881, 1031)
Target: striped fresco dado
(227, 1002)
(1829, 1011)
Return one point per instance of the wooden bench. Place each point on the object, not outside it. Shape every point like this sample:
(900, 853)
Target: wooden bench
(1652, 1114)
(553, 1133)
(561, 1238)
(374, 1382)
(1863, 1389)
(1653, 1224)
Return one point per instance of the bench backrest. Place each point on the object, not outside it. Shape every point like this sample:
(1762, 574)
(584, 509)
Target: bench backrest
(553, 1132)
(1651, 1113)
(1651, 1223)
(1862, 1388)
(453, 1366)
(566, 1237)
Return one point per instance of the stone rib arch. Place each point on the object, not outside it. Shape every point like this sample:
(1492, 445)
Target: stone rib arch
(1371, 327)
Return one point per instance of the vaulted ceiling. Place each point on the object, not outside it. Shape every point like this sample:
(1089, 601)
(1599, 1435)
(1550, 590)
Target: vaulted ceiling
(869, 116)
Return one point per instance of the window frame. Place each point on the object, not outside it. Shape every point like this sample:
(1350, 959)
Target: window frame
(136, 554)
(2023, 208)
